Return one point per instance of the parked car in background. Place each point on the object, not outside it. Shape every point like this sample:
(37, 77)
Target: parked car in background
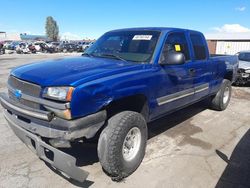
(53, 44)
(126, 79)
(69, 47)
(13, 45)
(41, 46)
(6, 44)
(10, 47)
(25, 48)
(38, 45)
(22, 48)
(86, 45)
(2, 50)
(243, 76)
(46, 48)
(32, 48)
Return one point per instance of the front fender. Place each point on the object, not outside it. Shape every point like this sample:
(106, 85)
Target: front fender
(92, 96)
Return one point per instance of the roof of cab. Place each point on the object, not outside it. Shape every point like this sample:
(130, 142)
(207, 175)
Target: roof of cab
(161, 29)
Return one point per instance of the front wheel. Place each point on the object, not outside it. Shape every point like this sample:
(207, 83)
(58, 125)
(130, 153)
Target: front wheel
(221, 100)
(122, 144)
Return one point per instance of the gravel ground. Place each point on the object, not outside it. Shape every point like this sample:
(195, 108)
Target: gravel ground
(194, 147)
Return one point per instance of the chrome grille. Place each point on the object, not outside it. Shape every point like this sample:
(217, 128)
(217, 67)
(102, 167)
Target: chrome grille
(27, 88)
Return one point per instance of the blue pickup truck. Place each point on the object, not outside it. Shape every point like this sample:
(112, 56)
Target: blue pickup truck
(127, 78)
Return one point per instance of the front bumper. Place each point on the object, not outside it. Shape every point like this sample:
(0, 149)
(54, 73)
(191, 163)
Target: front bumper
(63, 162)
(30, 125)
(242, 78)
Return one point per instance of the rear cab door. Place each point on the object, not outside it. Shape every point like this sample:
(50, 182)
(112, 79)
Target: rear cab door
(198, 67)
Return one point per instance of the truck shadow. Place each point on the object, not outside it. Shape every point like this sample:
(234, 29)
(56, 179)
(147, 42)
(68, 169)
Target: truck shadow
(237, 172)
(163, 124)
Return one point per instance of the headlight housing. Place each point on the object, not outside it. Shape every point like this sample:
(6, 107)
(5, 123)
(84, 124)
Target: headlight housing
(58, 93)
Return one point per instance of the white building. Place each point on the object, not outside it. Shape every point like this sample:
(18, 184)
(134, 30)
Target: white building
(9, 36)
(228, 43)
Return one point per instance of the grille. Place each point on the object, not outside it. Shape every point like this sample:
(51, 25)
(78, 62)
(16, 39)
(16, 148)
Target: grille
(26, 88)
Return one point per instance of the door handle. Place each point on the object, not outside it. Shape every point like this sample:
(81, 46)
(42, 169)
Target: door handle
(192, 71)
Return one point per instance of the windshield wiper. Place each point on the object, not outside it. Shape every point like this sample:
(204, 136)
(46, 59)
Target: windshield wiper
(114, 56)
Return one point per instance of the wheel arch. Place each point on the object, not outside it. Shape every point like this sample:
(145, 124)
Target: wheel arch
(229, 76)
(137, 103)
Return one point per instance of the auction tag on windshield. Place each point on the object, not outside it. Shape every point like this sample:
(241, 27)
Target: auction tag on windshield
(142, 37)
(177, 48)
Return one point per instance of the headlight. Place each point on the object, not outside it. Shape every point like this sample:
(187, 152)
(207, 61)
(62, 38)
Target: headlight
(247, 71)
(244, 75)
(59, 93)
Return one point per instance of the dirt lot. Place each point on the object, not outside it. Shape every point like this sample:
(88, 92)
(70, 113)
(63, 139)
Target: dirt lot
(194, 147)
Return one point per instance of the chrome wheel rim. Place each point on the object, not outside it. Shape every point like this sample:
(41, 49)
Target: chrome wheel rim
(131, 144)
(226, 95)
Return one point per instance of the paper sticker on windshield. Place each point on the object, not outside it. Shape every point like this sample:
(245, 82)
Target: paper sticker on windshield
(177, 48)
(142, 37)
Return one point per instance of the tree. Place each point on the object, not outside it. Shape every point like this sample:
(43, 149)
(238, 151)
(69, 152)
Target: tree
(52, 29)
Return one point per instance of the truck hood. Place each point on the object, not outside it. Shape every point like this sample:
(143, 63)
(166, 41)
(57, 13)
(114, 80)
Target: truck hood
(71, 71)
(244, 65)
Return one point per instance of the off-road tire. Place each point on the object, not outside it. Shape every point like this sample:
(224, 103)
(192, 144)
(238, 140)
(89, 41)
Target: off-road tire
(110, 144)
(217, 102)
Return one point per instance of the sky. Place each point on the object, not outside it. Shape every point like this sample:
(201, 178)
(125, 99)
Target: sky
(78, 19)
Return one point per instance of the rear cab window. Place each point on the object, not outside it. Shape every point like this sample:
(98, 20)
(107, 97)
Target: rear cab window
(199, 46)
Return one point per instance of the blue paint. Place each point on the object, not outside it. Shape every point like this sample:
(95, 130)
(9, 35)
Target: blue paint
(98, 81)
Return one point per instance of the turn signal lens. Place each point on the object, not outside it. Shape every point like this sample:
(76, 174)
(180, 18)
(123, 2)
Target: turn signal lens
(69, 94)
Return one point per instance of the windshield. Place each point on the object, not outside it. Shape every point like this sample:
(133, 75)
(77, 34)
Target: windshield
(244, 56)
(137, 46)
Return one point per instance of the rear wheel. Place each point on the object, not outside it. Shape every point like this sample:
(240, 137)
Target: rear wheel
(122, 144)
(221, 100)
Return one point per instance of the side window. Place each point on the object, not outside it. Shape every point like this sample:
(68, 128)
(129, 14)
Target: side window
(199, 46)
(176, 42)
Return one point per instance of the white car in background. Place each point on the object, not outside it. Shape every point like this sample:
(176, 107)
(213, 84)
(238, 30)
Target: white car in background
(37, 45)
(244, 68)
(86, 45)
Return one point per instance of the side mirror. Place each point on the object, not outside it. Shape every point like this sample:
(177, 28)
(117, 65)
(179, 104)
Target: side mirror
(174, 58)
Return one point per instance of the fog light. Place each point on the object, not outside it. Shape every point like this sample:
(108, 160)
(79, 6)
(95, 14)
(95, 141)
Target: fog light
(60, 143)
(67, 114)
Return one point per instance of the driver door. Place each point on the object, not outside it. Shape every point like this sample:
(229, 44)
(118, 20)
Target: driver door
(177, 88)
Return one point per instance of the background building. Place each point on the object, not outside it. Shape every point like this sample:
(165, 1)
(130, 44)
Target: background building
(228, 43)
(4, 36)
(29, 37)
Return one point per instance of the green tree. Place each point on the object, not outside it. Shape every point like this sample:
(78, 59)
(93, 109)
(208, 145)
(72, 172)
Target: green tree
(52, 29)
